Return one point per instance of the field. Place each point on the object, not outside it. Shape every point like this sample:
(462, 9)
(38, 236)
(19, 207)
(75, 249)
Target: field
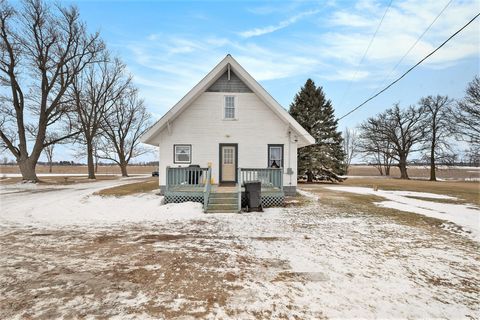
(422, 172)
(355, 170)
(81, 169)
(111, 249)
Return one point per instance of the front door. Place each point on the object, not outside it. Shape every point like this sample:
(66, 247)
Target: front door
(228, 162)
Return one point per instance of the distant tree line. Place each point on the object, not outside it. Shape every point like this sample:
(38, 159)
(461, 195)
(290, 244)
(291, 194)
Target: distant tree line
(431, 128)
(60, 84)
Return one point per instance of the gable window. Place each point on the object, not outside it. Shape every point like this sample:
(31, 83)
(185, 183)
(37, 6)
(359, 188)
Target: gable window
(275, 155)
(182, 153)
(229, 107)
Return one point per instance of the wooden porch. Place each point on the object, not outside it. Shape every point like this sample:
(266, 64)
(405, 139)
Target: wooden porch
(195, 184)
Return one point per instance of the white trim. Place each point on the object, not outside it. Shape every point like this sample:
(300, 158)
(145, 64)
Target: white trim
(304, 138)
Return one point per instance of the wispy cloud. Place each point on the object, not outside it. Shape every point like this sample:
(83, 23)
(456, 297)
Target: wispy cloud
(166, 66)
(402, 26)
(272, 28)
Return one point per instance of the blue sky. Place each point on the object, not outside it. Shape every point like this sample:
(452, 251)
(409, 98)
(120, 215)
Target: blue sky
(170, 45)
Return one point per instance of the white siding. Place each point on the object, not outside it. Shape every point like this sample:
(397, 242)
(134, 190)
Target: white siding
(202, 126)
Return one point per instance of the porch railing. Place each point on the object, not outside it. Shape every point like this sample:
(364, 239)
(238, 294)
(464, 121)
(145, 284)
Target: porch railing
(207, 189)
(269, 177)
(186, 176)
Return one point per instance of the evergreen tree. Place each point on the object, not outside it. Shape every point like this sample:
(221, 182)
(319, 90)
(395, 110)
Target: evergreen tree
(315, 113)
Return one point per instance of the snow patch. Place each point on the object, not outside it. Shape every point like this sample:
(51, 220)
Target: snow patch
(465, 216)
(76, 205)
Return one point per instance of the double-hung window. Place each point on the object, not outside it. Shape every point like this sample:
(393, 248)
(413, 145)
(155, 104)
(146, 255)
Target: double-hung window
(182, 153)
(275, 155)
(229, 107)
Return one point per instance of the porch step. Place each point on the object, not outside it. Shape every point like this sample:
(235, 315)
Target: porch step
(217, 200)
(222, 202)
(222, 208)
(223, 195)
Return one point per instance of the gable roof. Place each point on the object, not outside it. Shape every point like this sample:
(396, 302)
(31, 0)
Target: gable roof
(304, 138)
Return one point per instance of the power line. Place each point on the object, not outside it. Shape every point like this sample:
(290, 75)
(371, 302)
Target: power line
(408, 71)
(414, 45)
(366, 50)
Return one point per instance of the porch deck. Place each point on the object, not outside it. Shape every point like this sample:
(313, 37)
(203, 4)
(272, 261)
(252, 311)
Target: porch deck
(194, 184)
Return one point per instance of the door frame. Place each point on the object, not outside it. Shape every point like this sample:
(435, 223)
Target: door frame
(220, 161)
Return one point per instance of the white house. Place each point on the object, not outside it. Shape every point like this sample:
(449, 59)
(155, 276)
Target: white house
(227, 123)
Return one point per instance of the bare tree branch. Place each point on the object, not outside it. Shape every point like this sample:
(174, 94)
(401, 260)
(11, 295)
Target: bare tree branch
(43, 48)
(123, 127)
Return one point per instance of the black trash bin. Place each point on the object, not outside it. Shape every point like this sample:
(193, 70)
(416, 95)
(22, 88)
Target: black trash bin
(194, 175)
(253, 193)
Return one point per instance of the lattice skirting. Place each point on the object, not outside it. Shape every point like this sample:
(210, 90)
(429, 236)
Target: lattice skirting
(274, 200)
(267, 201)
(179, 198)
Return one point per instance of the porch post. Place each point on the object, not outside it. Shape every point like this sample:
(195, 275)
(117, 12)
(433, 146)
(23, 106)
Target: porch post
(281, 178)
(166, 178)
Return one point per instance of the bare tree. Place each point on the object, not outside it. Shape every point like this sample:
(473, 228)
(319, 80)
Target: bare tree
(43, 48)
(375, 148)
(49, 153)
(467, 113)
(95, 92)
(81, 151)
(123, 127)
(438, 125)
(350, 146)
(472, 155)
(402, 129)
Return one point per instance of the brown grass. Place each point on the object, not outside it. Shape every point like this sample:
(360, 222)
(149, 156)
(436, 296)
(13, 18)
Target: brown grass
(114, 264)
(148, 185)
(81, 169)
(467, 191)
(296, 201)
(364, 204)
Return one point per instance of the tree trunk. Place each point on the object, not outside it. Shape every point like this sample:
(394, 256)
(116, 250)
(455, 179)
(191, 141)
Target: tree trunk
(123, 168)
(310, 176)
(90, 162)
(50, 166)
(387, 170)
(433, 176)
(27, 168)
(402, 165)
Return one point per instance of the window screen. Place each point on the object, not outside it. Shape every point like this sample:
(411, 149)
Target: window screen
(275, 156)
(183, 153)
(229, 107)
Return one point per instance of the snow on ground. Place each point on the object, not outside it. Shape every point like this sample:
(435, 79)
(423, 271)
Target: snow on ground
(465, 216)
(128, 260)
(323, 263)
(43, 205)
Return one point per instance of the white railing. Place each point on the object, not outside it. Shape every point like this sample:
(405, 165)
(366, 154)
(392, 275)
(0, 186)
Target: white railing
(185, 176)
(269, 177)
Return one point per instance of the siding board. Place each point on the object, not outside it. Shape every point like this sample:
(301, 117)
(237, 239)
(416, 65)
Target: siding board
(232, 85)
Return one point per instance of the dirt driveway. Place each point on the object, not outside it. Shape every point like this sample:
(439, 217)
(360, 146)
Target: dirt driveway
(314, 260)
